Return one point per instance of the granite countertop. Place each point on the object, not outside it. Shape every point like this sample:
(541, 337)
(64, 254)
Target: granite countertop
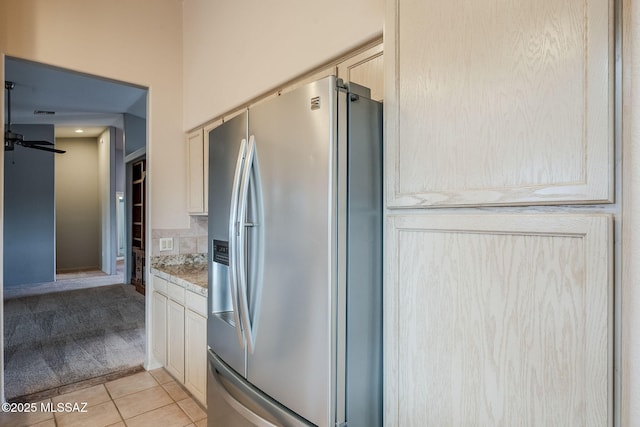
(190, 272)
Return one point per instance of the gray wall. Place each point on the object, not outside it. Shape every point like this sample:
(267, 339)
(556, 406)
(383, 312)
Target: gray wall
(77, 205)
(107, 199)
(119, 166)
(29, 210)
(135, 130)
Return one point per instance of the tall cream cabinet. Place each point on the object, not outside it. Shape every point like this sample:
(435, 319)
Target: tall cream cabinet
(499, 303)
(493, 103)
(499, 320)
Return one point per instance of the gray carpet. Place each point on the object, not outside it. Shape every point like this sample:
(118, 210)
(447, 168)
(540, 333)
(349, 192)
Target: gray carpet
(66, 282)
(65, 337)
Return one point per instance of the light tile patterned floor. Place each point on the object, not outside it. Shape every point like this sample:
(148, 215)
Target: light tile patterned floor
(143, 399)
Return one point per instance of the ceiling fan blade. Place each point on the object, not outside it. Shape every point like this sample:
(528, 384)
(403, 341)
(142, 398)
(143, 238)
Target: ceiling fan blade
(18, 139)
(38, 142)
(37, 147)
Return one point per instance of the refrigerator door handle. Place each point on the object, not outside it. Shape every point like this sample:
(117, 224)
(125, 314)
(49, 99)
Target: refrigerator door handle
(233, 240)
(243, 288)
(256, 251)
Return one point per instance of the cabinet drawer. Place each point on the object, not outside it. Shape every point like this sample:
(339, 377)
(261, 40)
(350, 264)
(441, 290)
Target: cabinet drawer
(196, 303)
(160, 285)
(175, 292)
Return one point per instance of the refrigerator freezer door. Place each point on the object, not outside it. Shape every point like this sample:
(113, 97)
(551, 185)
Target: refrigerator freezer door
(292, 359)
(225, 143)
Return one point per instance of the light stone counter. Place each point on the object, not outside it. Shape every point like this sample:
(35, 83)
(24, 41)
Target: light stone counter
(187, 271)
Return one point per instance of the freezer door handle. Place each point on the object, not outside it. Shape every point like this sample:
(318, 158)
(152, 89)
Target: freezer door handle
(243, 287)
(233, 239)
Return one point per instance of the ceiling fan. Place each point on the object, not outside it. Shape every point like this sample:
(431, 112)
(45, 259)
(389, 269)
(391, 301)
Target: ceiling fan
(11, 139)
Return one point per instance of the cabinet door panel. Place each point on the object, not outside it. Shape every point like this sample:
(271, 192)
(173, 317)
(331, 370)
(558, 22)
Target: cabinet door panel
(196, 355)
(159, 322)
(494, 103)
(499, 320)
(175, 339)
(366, 69)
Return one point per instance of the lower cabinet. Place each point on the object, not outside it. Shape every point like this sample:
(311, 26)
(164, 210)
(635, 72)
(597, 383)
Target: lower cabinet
(195, 345)
(499, 320)
(175, 339)
(159, 330)
(179, 334)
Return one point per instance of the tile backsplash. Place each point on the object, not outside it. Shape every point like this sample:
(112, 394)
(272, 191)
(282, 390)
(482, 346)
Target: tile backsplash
(192, 240)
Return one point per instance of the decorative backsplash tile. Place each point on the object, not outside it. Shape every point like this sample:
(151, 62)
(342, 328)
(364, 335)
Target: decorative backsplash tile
(203, 244)
(188, 245)
(192, 240)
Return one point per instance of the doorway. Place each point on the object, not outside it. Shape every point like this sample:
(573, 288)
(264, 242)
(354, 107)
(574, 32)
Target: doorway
(138, 180)
(78, 107)
(74, 102)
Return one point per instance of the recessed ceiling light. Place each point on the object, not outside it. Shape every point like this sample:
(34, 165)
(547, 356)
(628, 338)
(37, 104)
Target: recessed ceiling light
(79, 131)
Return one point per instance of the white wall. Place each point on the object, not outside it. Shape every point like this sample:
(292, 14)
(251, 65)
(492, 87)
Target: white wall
(237, 50)
(77, 204)
(138, 42)
(135, 133)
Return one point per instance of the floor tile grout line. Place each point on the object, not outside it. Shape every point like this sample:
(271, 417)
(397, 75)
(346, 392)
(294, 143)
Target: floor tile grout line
(114, 402)
(119, 413)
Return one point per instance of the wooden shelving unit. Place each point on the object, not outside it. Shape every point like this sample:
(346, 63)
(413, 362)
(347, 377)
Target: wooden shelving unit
(138, 224)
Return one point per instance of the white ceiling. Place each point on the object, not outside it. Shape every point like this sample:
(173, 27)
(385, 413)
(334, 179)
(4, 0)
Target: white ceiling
(78, 100)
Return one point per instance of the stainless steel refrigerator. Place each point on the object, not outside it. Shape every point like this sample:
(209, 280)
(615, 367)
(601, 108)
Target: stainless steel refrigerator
(295, 276)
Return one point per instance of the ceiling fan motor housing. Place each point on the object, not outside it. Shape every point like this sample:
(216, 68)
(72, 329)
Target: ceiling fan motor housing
(12, 138)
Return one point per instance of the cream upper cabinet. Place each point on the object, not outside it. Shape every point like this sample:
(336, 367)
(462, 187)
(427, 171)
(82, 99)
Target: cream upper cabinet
(366, 69)
(198, 169)
(195, 171)
(499, 103)
(499, 320)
